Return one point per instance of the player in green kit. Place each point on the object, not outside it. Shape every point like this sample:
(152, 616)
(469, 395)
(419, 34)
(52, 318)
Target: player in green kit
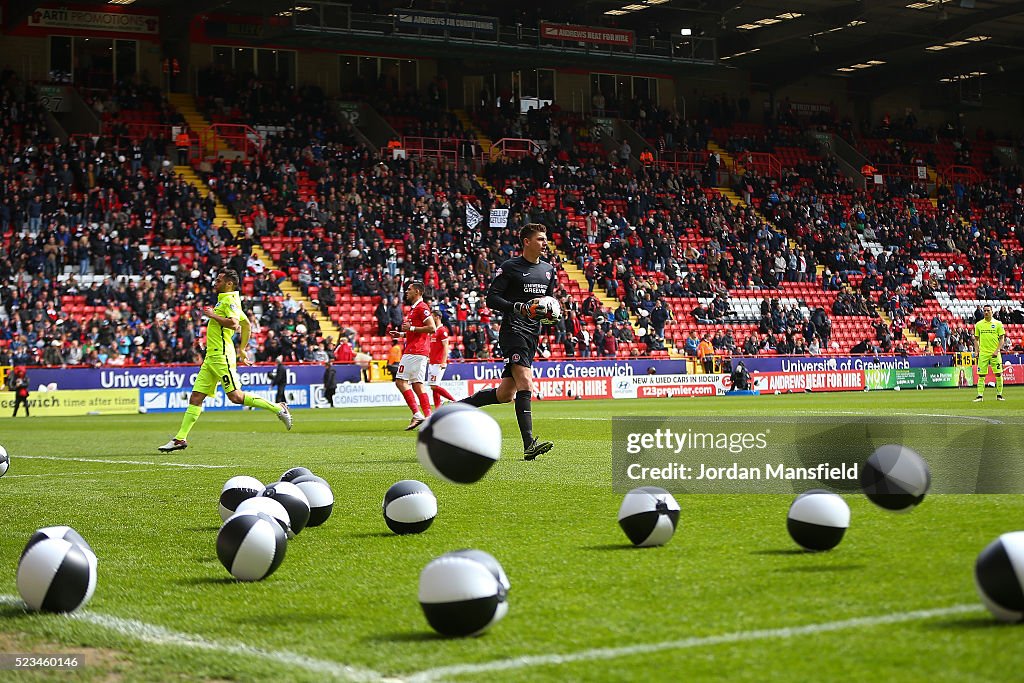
(989, 336)
(219, 364)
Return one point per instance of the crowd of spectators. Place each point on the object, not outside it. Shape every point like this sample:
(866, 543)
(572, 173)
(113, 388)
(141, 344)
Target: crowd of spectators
(108, 257)
(371, 225)
(106, 226)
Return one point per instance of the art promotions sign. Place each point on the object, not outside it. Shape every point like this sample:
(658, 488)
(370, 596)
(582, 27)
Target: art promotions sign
(92, 20)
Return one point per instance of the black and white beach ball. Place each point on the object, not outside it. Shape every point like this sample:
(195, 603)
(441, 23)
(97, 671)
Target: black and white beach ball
(251, 546)
(409, 507)
(463, 593)
(294, 502)
(320, 496)
(895, 477)
(270, 507)
(459, 443)
(999, 577)
(309, 477)
(294, 473)
(63, 532)
(649, 516)
(56, 575)
(818, 519)
(236, 490)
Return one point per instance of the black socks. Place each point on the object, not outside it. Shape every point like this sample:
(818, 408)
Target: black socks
(489, 397)
(484, 397)
(525, 417)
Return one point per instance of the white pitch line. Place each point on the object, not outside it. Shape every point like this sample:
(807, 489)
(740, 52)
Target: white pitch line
(808, 413)
(686, 643)
(73, 474)
(125, 462)
(989, 420)
(158, 635)
(978, 418)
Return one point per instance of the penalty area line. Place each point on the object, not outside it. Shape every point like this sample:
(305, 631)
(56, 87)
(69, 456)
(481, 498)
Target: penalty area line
(125, 462)
(158, 635)
(783, 633)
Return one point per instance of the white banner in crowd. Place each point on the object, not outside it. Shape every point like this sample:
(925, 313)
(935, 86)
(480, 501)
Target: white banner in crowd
(473, 217)
(499, 218)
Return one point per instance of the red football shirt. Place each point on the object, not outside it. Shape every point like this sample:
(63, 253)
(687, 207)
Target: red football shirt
(437, 354)
(418, 343)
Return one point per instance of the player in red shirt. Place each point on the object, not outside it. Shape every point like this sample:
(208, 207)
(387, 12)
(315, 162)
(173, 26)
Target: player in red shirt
(438, 360)
(412, 368)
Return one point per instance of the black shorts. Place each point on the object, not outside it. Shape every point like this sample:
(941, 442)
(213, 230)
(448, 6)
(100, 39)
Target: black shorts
(517, 349)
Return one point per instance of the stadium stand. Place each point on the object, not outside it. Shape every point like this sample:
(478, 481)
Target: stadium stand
(656, 255)
(103, 257)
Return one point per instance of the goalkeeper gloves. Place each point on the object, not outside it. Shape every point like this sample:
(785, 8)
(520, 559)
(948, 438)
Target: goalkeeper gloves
(528, 310)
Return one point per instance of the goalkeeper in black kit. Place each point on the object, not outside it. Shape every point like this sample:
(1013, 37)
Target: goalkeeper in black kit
(517, 284)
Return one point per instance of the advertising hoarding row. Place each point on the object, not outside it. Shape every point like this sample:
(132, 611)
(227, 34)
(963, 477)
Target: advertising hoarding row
(82, 391)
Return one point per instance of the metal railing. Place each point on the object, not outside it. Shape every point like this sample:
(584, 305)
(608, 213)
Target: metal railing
(514, 148)
(137, 130)
(445, 149)
(231, 139)
(958, 173)
(679, 161)
(917, 172)
(762, 163)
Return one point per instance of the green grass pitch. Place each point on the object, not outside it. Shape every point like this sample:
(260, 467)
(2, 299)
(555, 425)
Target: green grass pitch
(729, 598)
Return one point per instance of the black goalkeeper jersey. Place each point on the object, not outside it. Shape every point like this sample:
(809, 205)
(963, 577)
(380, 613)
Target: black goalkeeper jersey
(519, 281)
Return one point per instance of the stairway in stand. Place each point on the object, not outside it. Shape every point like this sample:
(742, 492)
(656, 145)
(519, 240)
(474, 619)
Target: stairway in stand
(907, 333)
(186, 106)
(327, 326)
(728, 192)
(735, 199)
(727, 159)
(481, 139)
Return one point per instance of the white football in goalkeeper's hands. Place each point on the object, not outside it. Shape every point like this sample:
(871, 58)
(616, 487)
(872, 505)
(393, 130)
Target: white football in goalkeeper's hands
(549, 309)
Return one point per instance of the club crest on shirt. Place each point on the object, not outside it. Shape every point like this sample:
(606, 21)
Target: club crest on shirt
(547, 275)
(497, 273)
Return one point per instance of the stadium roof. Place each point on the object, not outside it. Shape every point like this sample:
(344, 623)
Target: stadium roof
(879, 45)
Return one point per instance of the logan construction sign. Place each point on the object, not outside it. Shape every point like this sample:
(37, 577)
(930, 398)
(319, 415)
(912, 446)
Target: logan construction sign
(594, 35)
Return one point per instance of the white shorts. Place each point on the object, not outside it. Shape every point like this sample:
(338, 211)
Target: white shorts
(412, 368)
(435, 373)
